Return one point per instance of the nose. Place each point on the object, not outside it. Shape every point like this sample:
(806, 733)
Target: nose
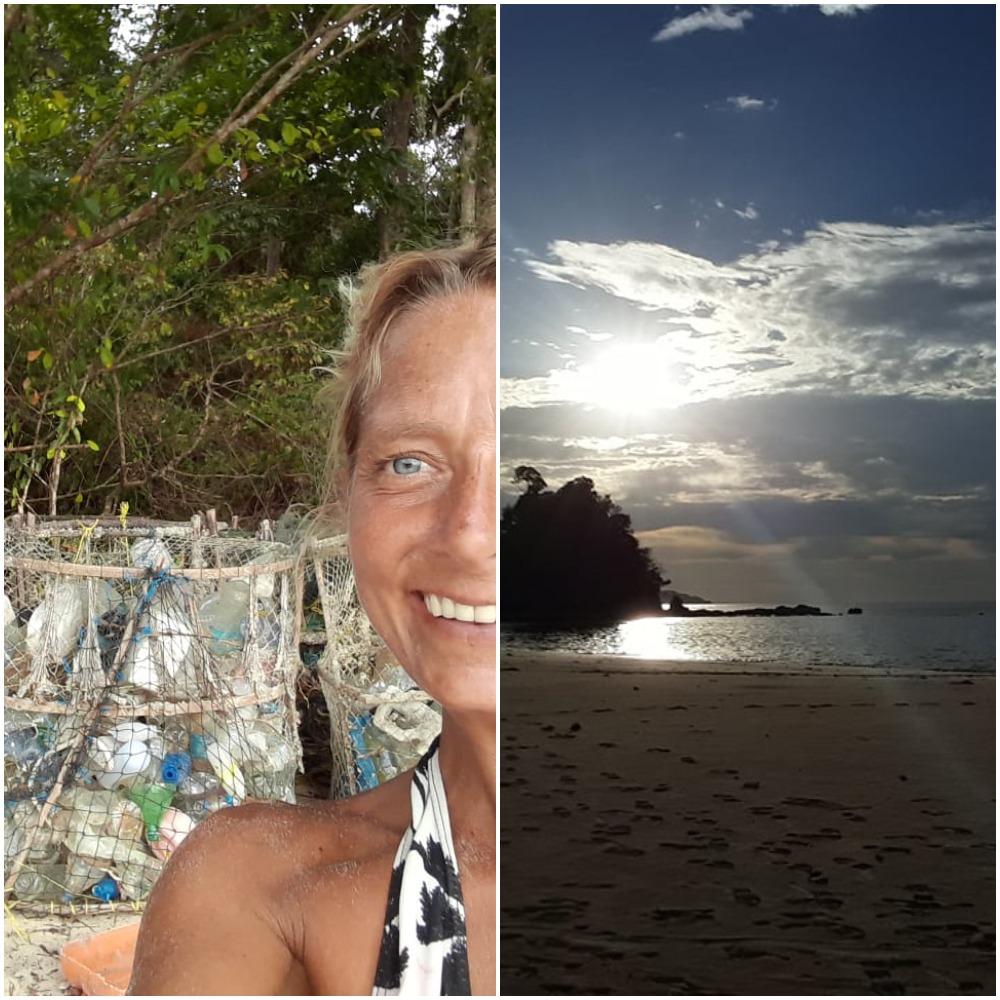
(470, 514)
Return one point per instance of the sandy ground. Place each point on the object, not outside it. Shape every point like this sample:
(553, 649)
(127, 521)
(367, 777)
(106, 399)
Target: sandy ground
(32, 944)
(676, 832)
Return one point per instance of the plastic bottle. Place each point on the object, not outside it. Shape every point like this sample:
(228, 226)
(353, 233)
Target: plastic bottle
(153, 801)
(201, 794)
(41, 883)
(222, 613)
(81, 874)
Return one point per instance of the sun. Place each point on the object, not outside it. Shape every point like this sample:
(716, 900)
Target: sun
(629, 378)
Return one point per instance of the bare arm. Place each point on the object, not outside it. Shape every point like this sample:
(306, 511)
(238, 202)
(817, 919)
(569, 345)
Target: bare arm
(213, 923)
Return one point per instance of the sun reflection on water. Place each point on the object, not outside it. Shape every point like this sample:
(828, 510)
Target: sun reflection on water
(652, 639)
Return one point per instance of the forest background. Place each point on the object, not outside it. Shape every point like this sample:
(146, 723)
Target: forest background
(187, 189)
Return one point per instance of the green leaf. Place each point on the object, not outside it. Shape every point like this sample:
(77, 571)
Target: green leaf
(93, 445)
(50, 454)
(214, 154)
(107, 358)
(84, 226)
(200, 108)
(48, 361)
(93, 206)
(273, 146)
(76, 434)
(375, 133)
(289, 133)
(78, 499)
(60, 100)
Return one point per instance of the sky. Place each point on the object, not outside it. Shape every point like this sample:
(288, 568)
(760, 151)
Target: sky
(748, 287)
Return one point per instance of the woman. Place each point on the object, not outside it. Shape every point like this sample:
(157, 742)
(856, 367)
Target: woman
(393, 890)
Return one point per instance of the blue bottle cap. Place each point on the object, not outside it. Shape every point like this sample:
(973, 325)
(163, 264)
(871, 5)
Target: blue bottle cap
(106, 890)
(175, 768)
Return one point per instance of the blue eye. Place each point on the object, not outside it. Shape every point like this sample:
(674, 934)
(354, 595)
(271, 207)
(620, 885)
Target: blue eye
(406, 466)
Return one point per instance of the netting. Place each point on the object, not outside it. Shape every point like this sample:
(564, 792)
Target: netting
(149, 675)
(381, 723)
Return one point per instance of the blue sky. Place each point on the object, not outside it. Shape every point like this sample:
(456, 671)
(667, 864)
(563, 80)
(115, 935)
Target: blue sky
(748, 287)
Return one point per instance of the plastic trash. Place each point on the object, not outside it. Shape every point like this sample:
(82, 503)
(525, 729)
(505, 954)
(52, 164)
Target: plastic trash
(106, 890)
(223, 613)
(271, 763)
(151, 553)
(54, 626)
(153, 801)
(367, 773)
(41, 883)
(81, 874)
(201, 794)
(175, 768)
(174, 827)
(137, 876)
(227, 770)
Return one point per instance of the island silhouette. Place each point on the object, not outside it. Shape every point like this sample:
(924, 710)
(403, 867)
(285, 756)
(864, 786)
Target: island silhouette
(570, 558)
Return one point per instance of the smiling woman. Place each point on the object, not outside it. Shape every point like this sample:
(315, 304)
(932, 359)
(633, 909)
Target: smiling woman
(392, 891)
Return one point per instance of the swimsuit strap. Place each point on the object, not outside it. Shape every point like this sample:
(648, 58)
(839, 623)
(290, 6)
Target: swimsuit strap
(424, 949)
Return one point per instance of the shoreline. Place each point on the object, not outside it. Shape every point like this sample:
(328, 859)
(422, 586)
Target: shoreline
(691, 827)
(618, 662)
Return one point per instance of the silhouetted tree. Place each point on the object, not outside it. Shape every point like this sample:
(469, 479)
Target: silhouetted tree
(569, 556)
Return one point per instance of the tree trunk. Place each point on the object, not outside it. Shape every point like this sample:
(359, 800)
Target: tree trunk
(469, 168)
(486, 197)
(407, 53)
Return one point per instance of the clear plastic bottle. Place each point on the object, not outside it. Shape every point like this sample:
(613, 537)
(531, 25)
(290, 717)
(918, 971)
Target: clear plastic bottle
(200, 794)
(41, 883)
(222, 613)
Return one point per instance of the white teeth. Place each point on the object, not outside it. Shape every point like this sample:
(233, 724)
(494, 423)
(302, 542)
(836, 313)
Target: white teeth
(446, 607)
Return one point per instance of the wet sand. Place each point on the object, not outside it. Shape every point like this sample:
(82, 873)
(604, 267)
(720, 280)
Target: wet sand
(678, 832)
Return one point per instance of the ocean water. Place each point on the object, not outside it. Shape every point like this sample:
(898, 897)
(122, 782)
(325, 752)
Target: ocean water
(946, 637)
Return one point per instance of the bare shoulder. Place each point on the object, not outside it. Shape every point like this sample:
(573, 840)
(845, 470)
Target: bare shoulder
(233, 909)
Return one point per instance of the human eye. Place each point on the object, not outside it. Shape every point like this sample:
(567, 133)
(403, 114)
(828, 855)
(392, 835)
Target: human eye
(407, 465)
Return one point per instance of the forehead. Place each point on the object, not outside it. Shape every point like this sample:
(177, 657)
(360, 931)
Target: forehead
(438, 359)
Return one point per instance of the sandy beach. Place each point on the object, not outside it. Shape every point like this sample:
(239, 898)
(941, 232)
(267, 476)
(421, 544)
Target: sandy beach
(682, 828)
(32, 945)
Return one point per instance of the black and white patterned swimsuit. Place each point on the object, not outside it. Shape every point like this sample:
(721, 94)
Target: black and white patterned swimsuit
(424, 948)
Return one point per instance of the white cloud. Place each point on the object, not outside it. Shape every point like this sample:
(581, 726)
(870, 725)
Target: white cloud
(679, 135)
(862, 309)
(713, 18)
(743, 102)
(845, 9)
(749, 213)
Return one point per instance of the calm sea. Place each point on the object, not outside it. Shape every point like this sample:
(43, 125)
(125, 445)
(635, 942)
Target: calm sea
(940, 637)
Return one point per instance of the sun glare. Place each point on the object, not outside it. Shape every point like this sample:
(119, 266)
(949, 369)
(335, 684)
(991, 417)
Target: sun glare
(631, 378)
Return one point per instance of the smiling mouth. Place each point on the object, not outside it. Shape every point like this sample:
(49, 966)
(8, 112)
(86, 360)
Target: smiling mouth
(447, 607)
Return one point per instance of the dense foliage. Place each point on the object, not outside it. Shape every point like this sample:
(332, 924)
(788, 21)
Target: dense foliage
(569, 557)
(187, 187)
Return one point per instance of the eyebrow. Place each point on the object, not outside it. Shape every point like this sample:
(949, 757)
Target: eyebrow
(404, 428)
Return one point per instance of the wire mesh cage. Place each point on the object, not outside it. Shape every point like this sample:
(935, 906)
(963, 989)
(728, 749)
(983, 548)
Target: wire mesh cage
(381, 723)
(149, 677)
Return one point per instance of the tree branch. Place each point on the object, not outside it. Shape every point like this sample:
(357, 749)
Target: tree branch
(308, 54)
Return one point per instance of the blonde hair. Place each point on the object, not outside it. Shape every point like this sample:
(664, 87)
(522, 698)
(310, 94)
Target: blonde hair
(386, 291)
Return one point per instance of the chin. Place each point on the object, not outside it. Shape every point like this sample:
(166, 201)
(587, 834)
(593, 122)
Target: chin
(465, 685)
